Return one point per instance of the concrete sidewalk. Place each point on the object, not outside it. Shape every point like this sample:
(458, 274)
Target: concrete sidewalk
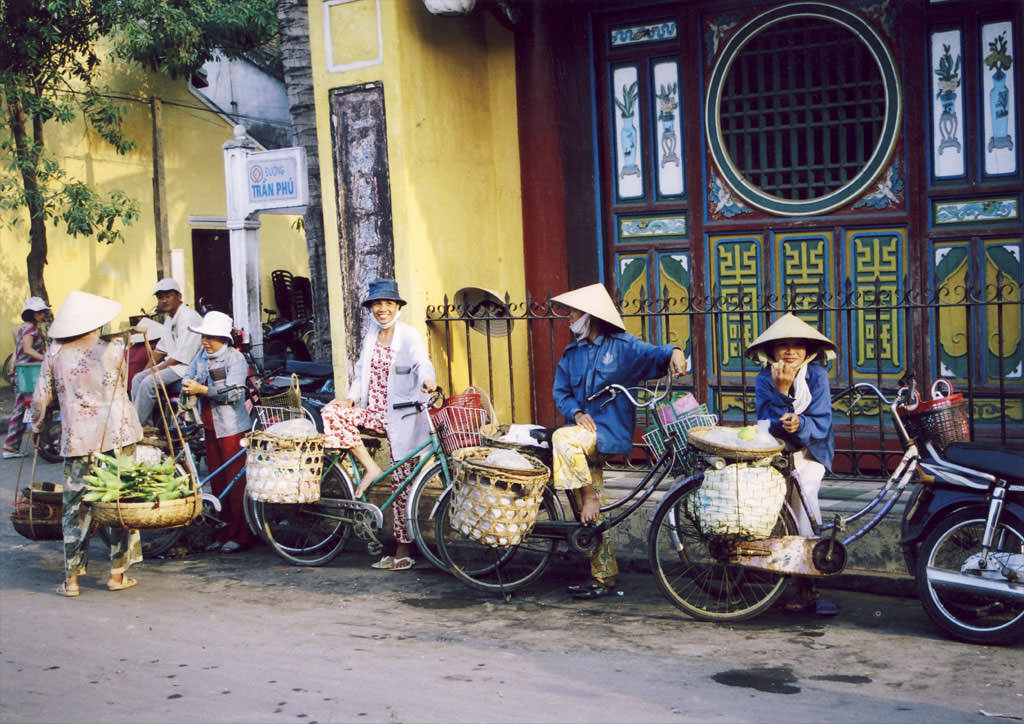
(875, 561)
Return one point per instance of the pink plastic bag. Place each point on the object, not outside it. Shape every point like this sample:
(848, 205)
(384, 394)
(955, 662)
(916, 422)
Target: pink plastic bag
(679, 407)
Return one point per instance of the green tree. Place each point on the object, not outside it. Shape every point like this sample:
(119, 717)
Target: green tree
(51, 55)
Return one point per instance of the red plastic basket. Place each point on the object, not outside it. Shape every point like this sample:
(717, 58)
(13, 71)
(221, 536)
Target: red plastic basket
(941, 420)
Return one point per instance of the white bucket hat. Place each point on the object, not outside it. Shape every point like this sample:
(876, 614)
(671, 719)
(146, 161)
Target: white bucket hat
(82, 312)
(147, 328)
(595, 301)
(790, 326)
(33, 305)
(167, 284)
(215, 324)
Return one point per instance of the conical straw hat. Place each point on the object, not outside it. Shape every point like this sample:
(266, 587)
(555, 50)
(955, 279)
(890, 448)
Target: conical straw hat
(82, 312)
(595, 301)
(148, 329)
(790, 326)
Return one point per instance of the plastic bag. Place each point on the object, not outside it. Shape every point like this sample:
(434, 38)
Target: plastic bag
(300, 427)
(508, 459)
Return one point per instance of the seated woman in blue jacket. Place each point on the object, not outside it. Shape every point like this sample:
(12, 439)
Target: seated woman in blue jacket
(602, 354)
(794, 395)
(217, 377)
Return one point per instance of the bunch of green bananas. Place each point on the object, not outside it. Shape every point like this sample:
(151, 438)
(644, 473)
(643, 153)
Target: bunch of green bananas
(138, 482)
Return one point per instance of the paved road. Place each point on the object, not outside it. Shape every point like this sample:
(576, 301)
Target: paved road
(245, 638)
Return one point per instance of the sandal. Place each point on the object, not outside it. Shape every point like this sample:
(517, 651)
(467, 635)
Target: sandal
(384, 563)
(591, 589)
(402, 564)
(64, 590)
(124, 583)
(799, 604)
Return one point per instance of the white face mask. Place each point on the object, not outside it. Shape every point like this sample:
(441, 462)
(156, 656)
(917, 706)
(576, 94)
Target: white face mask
(390, 324)
(581, 327)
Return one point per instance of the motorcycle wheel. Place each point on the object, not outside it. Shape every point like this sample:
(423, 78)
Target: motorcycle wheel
(953, 547)
(49, 438)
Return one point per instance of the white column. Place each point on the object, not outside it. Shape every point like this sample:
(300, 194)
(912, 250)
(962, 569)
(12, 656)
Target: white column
(243, 241)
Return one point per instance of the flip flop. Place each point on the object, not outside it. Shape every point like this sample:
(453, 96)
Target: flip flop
(63, 590)
(384, 564)
(594, 589)
(124, 583)
(825, 607)
(402, 564)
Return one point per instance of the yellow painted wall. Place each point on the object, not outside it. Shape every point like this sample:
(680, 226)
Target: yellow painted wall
(194, 167)
(450, 103)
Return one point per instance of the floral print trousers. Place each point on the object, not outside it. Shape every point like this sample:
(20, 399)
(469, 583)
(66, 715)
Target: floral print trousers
(577, 463)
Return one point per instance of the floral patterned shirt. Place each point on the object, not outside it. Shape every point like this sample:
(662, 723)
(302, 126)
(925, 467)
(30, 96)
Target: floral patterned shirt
(86, 376)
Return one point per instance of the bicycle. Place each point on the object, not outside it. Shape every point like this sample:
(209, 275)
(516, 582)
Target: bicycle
(157, 541)
(503, 570)
(961, 535)
(312, 534)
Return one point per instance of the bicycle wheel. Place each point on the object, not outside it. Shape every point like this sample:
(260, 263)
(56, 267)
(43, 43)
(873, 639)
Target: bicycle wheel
(953, 549)
(308, 534)
(693, 575)
(496, 570)
(423, 495)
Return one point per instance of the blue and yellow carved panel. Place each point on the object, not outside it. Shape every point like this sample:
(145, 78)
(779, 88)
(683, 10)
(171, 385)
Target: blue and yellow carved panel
(1002, 319)
(804, 276)
(673, 276)
(631, 280)
(876, 260)
(950, 269)
(735, 264)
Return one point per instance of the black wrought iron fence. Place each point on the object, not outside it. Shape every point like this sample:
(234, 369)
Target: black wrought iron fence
(971, 334)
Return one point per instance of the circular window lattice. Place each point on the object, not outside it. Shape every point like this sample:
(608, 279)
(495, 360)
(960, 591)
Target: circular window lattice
(804, 109)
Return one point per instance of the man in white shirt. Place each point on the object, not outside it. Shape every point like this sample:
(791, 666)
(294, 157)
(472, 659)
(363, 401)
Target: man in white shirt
(173, 353)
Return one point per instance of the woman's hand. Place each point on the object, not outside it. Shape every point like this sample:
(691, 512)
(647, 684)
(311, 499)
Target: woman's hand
(678, 365)
(191, 387)
(585, 421)
(783, 375)
(790, 422)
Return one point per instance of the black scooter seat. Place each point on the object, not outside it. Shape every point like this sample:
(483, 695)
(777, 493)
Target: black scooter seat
(991, 459)
(310, 369)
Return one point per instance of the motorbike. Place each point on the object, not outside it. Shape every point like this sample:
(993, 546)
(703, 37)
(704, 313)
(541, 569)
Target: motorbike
(963, 538)
(285, 339)
(315, 381)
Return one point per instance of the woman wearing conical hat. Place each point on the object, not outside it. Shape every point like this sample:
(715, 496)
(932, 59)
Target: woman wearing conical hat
(87, 377)
(602, 354)
(794, 395)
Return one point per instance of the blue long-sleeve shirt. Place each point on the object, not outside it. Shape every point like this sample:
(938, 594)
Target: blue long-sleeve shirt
(815, 432)
(588, 366)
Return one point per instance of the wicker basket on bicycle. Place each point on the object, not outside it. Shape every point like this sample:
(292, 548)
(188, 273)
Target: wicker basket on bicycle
(941, 420)
(495, 435)
(283, 468)
(740, 501)
(36, 513)
(495, 506)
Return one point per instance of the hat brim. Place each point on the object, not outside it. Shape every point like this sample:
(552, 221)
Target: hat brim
(211, 332)
(595, 301)
(82, 312)
(790, 326)
(384, 298)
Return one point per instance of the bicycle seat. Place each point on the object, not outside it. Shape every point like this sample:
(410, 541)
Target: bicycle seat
(991, 459)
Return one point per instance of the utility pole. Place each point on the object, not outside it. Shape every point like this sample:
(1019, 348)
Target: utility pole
(163, 242)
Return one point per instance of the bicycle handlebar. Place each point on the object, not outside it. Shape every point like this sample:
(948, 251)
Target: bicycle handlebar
(615, 389)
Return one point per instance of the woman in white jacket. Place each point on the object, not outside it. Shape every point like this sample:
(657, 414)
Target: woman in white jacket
(393, 367)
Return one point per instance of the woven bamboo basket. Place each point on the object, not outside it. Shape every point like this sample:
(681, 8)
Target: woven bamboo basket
(283, 469)
(740, 501)
(696, 437)
(36, 514)
(140, 516)
(939, 424)
(495, 506)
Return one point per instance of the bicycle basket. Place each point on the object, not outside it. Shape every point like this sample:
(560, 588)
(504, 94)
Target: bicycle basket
(271, 414)
(941, 420)
(496, 506)
(459, 427)
(676, 429)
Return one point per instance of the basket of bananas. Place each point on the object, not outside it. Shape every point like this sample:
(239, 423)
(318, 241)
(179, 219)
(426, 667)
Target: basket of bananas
(126, 493)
